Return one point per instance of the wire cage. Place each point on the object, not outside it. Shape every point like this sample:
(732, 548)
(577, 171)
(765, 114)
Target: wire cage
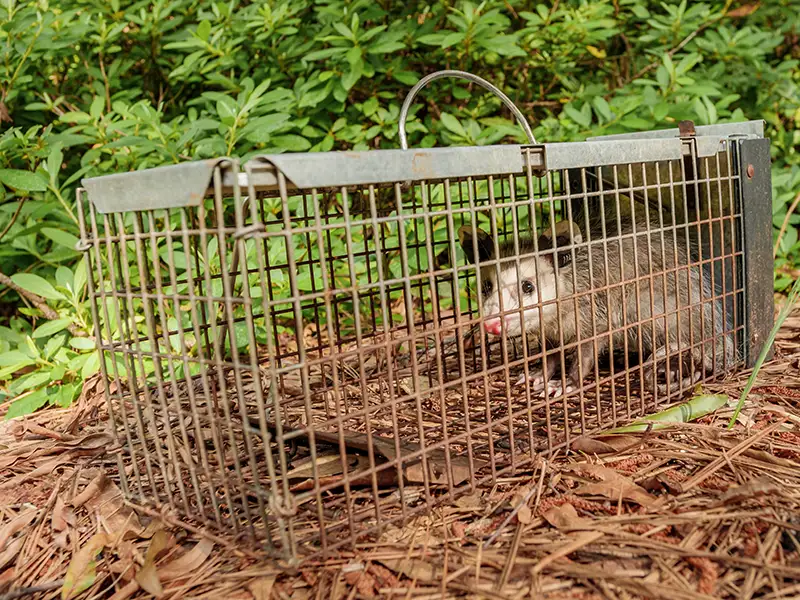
(297, 351)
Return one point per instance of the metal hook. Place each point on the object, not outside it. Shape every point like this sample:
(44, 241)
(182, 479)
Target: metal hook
(462, 75)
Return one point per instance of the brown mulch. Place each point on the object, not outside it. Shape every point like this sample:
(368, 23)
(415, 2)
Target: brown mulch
(695, 511)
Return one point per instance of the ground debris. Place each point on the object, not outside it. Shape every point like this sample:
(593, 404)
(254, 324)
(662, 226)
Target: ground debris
(691, 511)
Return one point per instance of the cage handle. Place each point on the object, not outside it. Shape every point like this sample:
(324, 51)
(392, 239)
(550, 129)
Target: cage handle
(462, 75)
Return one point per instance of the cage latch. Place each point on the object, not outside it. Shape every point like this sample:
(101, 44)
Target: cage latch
(686, 129)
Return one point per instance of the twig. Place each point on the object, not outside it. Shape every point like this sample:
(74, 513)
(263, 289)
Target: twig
(524, 502)
(38, 302)
(19, 208)
(34, 589)
(785, 224)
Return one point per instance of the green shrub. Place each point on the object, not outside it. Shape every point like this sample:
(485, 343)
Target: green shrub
(89, 87)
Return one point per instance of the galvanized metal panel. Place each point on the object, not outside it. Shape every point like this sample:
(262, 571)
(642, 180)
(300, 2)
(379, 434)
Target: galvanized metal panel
(752, 128)
(755, 177)
(327, 169)
(575, 155)
(172, 186)
(335, 169)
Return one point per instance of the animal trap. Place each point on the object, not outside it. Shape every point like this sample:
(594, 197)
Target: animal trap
(304, 349)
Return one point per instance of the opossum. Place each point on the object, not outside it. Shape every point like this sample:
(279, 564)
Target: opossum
(612, 256)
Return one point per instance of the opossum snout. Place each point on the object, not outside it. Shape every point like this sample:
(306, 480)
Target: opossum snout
(492, 326)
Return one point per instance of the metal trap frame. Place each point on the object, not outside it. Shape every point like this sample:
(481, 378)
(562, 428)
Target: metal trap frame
(292, 349)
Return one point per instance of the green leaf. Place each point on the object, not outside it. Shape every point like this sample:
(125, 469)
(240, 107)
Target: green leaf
(453, 125)
(96, 109)
(660, 111)
(504, 45)
(602, 108)
(293, 143)
(385, 47)
(577, 116)
(350, 78)
(80, 278)
(82, 343)
(697, 407)
(27, 404)
(51, 328)
(15, 358)
(64, 277)
(62, 238)
(406, 77)
(91, 366)
(54, 161)
(31, 380)
(259, 130)
(24, 181)
(204, 30)
(37, 285)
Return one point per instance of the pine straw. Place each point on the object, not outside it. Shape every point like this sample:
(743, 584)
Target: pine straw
(691, 512)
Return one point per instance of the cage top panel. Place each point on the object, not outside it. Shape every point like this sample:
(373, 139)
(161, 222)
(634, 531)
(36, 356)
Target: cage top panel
(747, 128)
(186, 184)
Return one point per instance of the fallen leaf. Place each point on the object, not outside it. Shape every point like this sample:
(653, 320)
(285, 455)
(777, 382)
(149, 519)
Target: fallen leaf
(761, 486)
(92, 441)
(10, 553)
(413, 568)
(566, 517)
(49, 433)
(147, 577)
(81, 572)
(437, 469)
(45, 468)
(472, 501)
(603, 444)
(61, 539)
(16, 524)
(362, 581)
(612, 485)
(119, 519)
(659, 483)
(396, 535)
(261, 588)
(58, 519)
(90, 491)
(326, 465)
(183, 565)
(384, 577)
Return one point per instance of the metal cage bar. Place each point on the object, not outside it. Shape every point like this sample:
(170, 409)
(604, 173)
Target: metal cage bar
(305, 350)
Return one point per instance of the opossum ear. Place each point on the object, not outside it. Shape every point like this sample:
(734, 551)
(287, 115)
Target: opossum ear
(567, 233)
(485, 246)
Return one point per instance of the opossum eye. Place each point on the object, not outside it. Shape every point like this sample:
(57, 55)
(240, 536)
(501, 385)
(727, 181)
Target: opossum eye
(486, 287)
(527, 287)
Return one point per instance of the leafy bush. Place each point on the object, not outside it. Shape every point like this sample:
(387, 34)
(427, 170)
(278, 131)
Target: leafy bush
(89, 87)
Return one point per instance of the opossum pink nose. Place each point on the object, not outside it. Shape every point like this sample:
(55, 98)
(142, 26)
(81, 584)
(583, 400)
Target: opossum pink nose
(492, 326)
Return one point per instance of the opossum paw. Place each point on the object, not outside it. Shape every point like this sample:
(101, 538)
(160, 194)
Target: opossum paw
(555, 389)
(536, 379)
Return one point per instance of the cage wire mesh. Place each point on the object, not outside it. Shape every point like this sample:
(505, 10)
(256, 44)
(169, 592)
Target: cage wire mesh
(296, 351)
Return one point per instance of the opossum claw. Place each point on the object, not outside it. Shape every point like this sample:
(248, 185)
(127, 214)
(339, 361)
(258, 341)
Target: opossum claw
(555, 389)
(536, 379)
